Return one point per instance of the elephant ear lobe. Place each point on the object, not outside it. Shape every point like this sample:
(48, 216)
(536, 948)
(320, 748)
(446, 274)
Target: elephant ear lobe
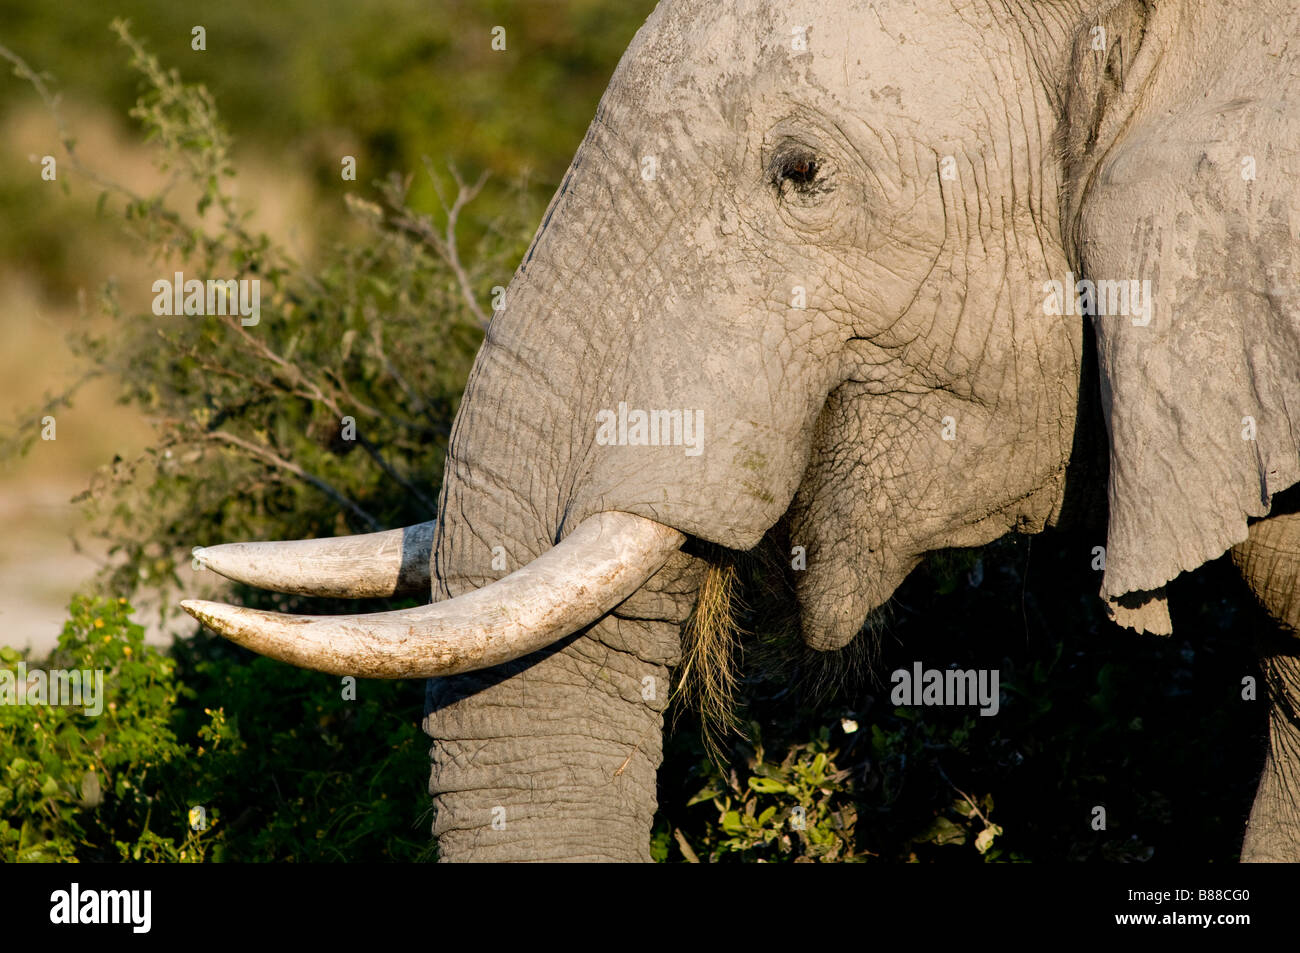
(1182, 210)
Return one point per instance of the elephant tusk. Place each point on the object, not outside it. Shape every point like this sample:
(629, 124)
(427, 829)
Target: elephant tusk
(392, 563)
(606, 559)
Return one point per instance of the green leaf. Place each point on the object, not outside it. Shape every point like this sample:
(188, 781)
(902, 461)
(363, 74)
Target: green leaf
(985, 839)
(964, 807)
(708, 794)
(943, 832)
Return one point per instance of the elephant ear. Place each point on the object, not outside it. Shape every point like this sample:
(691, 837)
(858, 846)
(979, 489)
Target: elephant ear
(1181, 167)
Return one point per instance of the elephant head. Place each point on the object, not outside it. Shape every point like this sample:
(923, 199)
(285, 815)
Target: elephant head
(816, 262)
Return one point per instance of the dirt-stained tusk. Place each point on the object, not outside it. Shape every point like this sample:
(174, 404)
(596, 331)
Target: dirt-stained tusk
(600, 564)
(392, 563)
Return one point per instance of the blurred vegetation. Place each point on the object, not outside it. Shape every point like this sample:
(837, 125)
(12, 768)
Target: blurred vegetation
(381, 325)
(388, 81)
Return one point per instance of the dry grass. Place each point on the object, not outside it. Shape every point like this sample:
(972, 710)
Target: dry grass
(745, 627)
(711, 655)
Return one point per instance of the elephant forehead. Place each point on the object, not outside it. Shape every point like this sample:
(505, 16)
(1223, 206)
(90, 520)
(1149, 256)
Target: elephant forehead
(908, 58)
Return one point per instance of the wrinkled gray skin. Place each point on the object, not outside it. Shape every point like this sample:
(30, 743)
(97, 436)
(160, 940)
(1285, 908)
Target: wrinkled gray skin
(924, 301)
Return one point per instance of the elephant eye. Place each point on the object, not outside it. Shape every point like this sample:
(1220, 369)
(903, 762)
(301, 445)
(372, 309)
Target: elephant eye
(797, 170)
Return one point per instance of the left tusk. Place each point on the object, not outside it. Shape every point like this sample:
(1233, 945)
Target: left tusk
(392, 563)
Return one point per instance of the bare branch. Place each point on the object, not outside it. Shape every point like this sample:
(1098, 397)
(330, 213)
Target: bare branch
(444, 245)
(308, 389)
(396, 420)
(964, 796)
(66, 139)
(267, 455)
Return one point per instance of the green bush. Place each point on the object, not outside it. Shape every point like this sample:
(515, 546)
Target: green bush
(313, 768)
(1154, 730)
(332, 772)
(95, 787)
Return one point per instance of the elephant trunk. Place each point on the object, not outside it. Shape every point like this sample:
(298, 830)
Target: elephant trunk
(552, 756)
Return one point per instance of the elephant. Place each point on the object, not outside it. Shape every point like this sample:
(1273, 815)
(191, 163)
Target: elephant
(894, 276)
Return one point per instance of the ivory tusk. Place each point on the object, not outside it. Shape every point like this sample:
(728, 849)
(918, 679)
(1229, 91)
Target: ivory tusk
(600, 564)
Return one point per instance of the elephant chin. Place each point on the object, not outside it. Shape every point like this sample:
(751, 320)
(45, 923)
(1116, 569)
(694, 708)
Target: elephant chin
(845, 581)
(823, 637)
(830, 620)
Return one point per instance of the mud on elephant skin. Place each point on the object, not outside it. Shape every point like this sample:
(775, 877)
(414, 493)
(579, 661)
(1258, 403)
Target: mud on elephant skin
(839, 256)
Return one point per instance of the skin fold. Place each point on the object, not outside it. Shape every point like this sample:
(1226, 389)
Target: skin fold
(827, 227)
(1269, 562)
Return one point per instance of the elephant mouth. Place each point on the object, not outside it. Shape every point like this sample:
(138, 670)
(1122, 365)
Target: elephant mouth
(605, 560)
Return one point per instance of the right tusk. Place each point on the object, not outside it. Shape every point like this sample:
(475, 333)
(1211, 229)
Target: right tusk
(605, 560)
(392, 563)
